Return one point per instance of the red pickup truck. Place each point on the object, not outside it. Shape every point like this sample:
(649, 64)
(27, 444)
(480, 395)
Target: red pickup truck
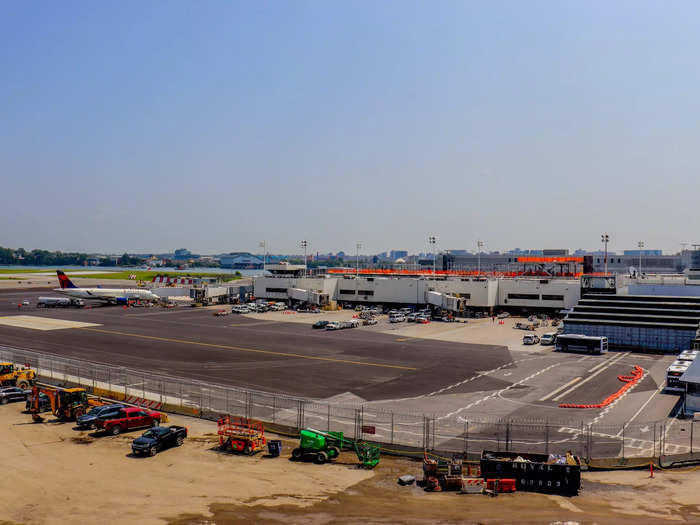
(128, 419)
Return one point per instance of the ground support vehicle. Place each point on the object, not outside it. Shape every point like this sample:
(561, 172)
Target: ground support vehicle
(128, 418)
(534, 472)
(548, 339)
(322, 447)
(13, 393)
(673, 376)
(10, 375)
(64, 403)
(240, 434)
(530, 339)
(581, 343)
(159, 438)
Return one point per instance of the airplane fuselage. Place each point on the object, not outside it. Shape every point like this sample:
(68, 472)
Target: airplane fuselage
(108, 294)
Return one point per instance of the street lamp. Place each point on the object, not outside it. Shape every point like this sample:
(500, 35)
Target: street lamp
(262, 245)
(357, 260)
(432, 240)
(640, 244)
(305, 244)
(605, 239)
(479, 246)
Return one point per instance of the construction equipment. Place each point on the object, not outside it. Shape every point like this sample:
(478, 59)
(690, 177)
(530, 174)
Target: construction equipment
(326, 446)
(64, 403)
(240, 434)
(10, 375)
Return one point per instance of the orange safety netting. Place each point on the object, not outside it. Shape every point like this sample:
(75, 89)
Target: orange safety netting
(629, 381)
(444, 273)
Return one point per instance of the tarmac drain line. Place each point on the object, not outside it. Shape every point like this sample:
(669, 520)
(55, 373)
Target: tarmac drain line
(629, 381)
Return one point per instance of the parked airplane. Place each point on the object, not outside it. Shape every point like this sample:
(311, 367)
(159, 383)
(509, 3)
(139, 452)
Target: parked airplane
(111, 295)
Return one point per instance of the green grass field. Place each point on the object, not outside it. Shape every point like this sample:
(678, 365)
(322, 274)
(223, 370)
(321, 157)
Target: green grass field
(140, 275)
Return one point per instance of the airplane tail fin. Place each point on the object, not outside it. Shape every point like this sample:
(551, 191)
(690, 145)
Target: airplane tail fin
(64, 281)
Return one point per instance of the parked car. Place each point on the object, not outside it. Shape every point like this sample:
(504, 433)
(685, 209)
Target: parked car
(320, 324)
(25, 303)
(333, 325)
(421, 319)
(220, 313)
(128, 419)
(397, 318)
(548, 339)
(503, 315)
(13, 393)
(88, 420)
(530, 339)
(411, 318)
(369, 322)
(158, 438)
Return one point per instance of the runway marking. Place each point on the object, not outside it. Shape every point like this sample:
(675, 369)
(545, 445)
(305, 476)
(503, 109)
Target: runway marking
(602, 363)
(609, 363)
(251, 350)
(652, 396)
(498, 393)
(562, 387)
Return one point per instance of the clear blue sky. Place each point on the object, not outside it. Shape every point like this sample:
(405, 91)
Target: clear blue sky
(146, 126)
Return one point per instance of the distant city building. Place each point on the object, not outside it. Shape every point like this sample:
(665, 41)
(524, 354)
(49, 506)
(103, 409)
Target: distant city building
(558, 252)
(398, 254)
(637, 253)
(241, 261)
(183, 254)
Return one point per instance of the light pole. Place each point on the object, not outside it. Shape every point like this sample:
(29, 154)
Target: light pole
(305, 244)
(432, 240)
(640, 244)
(357, 260)
(479, 246)
(605, 239)
(262, 245)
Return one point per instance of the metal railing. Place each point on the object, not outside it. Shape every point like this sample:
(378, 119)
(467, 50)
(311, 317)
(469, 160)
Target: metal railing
(400, 432)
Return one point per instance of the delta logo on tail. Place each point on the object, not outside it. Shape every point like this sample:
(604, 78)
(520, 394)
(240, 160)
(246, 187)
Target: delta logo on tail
(64, 281)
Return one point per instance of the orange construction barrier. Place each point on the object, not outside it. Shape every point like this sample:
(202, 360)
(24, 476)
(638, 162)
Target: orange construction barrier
(629, 381)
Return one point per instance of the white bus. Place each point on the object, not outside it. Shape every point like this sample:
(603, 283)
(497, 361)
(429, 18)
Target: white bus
(673, 376)
(581, 343)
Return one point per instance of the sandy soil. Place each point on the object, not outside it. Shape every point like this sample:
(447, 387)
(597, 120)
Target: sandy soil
(57, 475)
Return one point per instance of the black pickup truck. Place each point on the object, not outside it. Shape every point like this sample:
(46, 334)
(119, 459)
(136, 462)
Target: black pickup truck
(158, 438)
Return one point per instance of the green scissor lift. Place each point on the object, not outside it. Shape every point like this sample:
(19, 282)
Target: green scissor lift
(326, 446)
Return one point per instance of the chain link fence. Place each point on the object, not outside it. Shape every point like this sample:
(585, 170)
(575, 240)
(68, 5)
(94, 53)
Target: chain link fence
(399, 432)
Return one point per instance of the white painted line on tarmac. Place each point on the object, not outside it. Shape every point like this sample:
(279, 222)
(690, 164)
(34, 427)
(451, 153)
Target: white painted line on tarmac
(562, 387)
(609, 363)
(663, 385)
(602, 363)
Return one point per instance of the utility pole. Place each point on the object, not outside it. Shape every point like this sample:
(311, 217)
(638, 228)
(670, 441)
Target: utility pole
(305, 244)
(605, 239)
(262, 245)
(432, 240)
(357, 260)
(479, 246)
(640, 244)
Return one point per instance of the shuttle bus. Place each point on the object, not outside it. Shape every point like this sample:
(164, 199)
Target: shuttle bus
(581, 343)
(673, 376)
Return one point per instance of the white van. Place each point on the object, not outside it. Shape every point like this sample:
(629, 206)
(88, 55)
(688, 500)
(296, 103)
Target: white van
(548, 339)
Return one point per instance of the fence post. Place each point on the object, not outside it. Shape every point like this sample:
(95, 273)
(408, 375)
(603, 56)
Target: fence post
(623, 441)
(181, 396)
(94, 378)
(143, 386)
(392, 428)
(161, 392)
(274, 408)
(662, 447)
(653, 450)
(328, 427)
(466, 439)
(109, 380)
(546, 437)
(691, 435)
(434, 431)
(507, 435)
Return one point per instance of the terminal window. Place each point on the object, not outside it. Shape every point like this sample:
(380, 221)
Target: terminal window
(365, 292)
(552, 297)
(530, 296)
(347, 292)
(276, 290)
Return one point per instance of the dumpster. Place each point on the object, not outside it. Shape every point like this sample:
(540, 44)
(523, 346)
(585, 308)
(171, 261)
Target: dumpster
(274, 447)
(551, 473)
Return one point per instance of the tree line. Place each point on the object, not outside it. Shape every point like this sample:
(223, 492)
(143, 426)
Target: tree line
(58, 258)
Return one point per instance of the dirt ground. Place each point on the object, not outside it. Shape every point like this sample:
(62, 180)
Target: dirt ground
(57, 475)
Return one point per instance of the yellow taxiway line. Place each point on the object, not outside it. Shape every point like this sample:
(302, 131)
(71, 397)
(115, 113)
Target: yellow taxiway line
(251, 350)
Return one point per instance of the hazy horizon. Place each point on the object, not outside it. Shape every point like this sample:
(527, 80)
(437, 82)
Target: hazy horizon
(145, 127)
